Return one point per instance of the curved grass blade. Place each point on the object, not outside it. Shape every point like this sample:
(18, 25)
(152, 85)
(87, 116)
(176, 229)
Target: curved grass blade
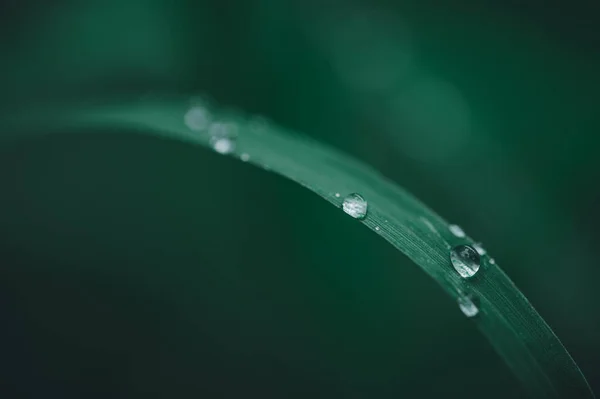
(515, 329)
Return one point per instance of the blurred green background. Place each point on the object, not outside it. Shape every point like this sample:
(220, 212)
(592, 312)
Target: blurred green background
(134, 266)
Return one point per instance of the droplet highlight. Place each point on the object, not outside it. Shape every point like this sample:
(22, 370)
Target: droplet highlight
(245, 157)
(465, 260)
(456, 230)
(468, 305)
(223, 145)
(355, 205)
(223, 137)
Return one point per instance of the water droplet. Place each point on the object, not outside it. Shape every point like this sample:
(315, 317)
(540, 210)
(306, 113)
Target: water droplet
(223, 145)
(480, 249)
(355, 206)
(245, 157)
(465, 260)
(337, 195)
(456, 230)
(377, 228)
(492, 261)
(197, 118)
(467, 305)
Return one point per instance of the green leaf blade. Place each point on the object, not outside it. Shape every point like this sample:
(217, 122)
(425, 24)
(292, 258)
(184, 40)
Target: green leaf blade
(511, 324)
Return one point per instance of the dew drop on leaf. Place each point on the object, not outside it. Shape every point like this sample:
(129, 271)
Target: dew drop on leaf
(467, 305)
(456, 230)
(245, 157)
(355, 206)
(465, 260)
(223, 145)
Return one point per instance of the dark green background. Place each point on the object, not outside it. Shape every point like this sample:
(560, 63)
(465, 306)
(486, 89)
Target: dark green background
(133, 265)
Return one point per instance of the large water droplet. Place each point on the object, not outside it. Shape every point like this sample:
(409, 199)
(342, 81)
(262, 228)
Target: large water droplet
(465, 260)
(197, 118)
(223, 145)
(456, 230)
(467, 305)
(355, 206)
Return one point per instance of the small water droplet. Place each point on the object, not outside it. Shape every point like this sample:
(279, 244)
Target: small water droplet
(377, 228)
(480, 249)
(223, 145)
(456, 230)
(245, 157)
(467, 305)
(197, 118)
(355, 206)
(492, 261)
(465, 260)
(337, 195)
